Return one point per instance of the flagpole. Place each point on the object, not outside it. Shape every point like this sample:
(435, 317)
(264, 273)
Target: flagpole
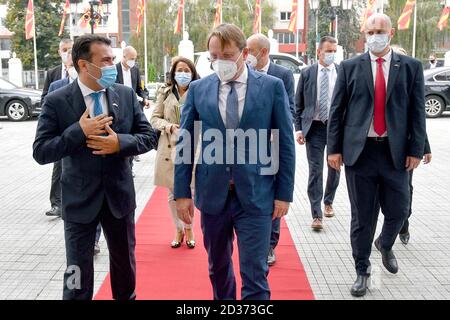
(414, 31)
(221, 11)
(296, 26)
(145, 44)
(184, 19)
(35, 52)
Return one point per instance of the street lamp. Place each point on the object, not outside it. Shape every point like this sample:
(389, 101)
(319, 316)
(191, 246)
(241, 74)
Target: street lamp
(335, 4)
(95, 15)
(314, 5)
(347, 4)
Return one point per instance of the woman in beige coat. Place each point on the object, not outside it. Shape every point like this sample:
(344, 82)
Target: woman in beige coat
(166, 118)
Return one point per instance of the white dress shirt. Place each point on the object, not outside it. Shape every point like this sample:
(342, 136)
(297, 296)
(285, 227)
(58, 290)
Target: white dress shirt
(332, 76)
(386, 66)
(126, 77)
(89, 100)
(241, 90)
(266, 68)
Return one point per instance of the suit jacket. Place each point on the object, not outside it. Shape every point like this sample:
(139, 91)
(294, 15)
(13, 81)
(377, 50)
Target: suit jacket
(87, 179)
(53, 75)
(135, 80)
(58, 84)
(353, 106)
(266, 107)
(306, 99)
(287, 77)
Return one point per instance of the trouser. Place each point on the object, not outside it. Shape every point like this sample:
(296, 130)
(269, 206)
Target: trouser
(55, 188)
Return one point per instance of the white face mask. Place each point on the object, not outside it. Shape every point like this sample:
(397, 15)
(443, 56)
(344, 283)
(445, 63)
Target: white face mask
(378, 42)
(131, 63)
(73, 74)
(252, 61)
(329, 58)
(226, 69)
(64, 57)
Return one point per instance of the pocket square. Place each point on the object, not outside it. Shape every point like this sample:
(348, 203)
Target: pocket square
(396, 65)
(115, 105)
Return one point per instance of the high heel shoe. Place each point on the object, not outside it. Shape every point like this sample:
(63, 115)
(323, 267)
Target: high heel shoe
(178, 239)
(190, 242)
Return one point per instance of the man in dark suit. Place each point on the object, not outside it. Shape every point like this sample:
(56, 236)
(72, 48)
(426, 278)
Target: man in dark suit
(94, 125)
(313, 100)
(57, 73)
(434, 63)
(258, 58)
(377, 128)
(236, 197)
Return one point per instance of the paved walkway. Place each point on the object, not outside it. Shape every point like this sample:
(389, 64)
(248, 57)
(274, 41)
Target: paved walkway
(32, 255)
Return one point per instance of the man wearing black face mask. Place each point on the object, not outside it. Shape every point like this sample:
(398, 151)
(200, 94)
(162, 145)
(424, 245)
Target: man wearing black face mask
(434, 63)
(95, 125)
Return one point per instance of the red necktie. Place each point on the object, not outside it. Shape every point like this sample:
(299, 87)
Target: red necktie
(379, 121)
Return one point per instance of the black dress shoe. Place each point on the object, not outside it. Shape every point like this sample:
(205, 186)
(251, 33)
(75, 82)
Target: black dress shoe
(360, 286)
(404, 237)
(54, 212)
(388, 258)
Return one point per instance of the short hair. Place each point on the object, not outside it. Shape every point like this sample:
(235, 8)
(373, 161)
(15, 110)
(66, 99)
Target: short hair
(65, 41)
(173, 68)
(399, 50)
(227, 34)
(377, 16)
(82, 47)
(127, 49)
(263, 41)
(324, 39)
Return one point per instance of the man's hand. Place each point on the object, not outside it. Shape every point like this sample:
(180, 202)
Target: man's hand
(412, 163)
(281, 209)
(427, 158)
(103, 145)
(94, 126)
(300, 138)
(185, 210)
(335, 161)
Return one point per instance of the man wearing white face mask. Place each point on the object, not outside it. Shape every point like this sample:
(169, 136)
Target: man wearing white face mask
(377, 129)
(313, 99)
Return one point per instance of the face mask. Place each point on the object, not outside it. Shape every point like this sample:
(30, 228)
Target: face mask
(183, 78)
(329, 58)
(432, 61)
(73, 74)
(226, 69)
(131, 63)
(64, 57)
(377, 42)
(252, 61)
(108, 78)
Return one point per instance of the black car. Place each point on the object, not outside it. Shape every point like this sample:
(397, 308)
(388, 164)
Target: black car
(18, 103)
(437, 91)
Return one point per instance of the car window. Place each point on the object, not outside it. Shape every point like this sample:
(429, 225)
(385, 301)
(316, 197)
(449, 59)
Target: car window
(287, 64)
(6, 85)
(442, 77)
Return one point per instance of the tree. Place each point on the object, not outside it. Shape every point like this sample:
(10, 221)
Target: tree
(47, 19)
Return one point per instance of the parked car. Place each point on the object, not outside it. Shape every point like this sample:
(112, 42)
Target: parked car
(17, 103)
(204, 68)
(437, 91)
(152, 89)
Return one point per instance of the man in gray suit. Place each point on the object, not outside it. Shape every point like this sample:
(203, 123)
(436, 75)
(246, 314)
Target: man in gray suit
(313, 100)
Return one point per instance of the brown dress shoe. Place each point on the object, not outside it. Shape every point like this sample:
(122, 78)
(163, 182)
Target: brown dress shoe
(329, 212)
(317, 224)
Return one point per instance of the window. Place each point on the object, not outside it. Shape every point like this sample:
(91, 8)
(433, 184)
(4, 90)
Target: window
(5, 44)
(291, 65)
(285, 16)
(285, 37)
(442, 77)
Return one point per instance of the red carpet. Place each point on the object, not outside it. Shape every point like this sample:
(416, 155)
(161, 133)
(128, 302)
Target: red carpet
(164, 273)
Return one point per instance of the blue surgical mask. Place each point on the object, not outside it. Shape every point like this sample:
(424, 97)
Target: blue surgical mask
(183, 78)
(109, 75)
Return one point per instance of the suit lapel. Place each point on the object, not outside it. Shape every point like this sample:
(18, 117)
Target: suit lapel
(313, 79)
(393, 74)
(214, 90)
(113, 104)
(251, 96)
(367, 72)
(119, 73)
(76, 100)
(134, 79)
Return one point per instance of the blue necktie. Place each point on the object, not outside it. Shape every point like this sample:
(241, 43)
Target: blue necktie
(323, 100)
(232, 112)
(98, 110)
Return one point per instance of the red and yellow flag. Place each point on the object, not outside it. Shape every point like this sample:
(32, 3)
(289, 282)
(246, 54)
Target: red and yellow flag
(293, 23)
(179, 17)
(84, 19)
(405, 17)
(29, 21)
(443, 19)
(63, 20)
(257, 21)
(140, 14)
(367, 14)
(218, 17)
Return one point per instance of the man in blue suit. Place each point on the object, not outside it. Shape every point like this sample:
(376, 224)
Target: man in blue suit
(240, 196)
(377, 129)
(258, 58)
(94, 125)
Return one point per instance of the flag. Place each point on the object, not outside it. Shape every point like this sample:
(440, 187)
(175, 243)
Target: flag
(179, 17)
(367, 14)
(66, 11)
(257, 21)
(140, 14)
(29, 21)
(443, 19)
(84, 19)
(293, 23)
(218, 18)
(405, 17)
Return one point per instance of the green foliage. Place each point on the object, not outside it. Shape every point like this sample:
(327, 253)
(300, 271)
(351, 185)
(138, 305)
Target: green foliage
(47, 19)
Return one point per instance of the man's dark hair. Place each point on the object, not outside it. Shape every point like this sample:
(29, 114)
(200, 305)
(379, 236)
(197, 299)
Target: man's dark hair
(82, 47)
(326, 39)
